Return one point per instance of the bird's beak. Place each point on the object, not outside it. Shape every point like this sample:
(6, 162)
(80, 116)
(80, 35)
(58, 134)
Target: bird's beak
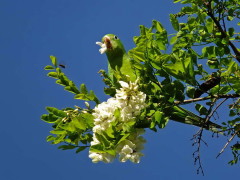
(107, 42)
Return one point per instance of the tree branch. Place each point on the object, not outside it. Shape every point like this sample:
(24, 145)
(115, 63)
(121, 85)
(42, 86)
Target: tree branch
(224, 147)
(215, 109)
(224, 34)
(227, 96)
(196, 154)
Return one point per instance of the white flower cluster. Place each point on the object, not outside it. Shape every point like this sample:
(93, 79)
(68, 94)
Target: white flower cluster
(103, 48)
(130, 148)
(104, 115)
(96, 157)
(129, 101)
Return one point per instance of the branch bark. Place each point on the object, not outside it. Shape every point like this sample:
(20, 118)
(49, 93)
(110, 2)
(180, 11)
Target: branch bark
(224, 34)
(207, 97)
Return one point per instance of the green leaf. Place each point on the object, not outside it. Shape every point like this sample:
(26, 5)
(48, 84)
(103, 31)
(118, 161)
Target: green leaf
(232, 68)
(225, 41)
(56, 111)
(232, 112)
(49, 118)
(209, 52)
(158, 116)
(81, 148)
(62, 80)
(48, 67)
(173, 39)
(182, 68)
(230, 18)
(201, 109)
(54, 60)
(87, 97)
(82, 97)
(110, 132)
(158, 26)
(161, 44)
(163, 122)
(83, 89)
(179, 90)
(66, 147)
(53, 75)
(72, 89)
(138, 53)
(231, 31)
(79, 123)
(190, 91)
(104, 141)
(58, 132)
(59, 71)
(187, 10)
(176, 1)
(213, 63)
(210, 25)
(143, 30)
(50, 138)
(186, 1)
(224, 89)
(174, 22)
(236, 147)
(152, 126)
(70, 127)
(93, 97)
(117, 113)
(122, 138)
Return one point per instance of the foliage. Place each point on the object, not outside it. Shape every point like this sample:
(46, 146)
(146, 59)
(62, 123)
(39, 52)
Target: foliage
(200, 59)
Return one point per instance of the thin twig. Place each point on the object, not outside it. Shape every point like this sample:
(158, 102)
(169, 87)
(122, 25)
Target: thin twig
(215, 109)
(196, 154)
(224, 34)
(210, 111)
(224, 147)
(198, 138)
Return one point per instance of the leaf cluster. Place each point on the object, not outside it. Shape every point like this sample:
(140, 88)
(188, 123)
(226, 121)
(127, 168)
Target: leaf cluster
(70, 126)
(199, 59)
(80, 93)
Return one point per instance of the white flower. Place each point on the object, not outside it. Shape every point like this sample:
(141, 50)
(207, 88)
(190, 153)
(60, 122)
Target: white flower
(105, 157)
(87, 104)
(129, 101)
(135, 158)
(103, 48)
(124, 84)
(130, 148)
(94, 141)
(104, 115)
(96, 157)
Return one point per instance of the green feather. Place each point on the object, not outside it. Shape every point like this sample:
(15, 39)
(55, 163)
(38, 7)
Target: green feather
(118, 59)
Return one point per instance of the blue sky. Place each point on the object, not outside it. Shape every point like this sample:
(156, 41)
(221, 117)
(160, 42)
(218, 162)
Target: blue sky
(31, 31)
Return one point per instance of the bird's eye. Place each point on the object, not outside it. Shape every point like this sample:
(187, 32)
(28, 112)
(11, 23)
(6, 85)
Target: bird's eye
(115, 37)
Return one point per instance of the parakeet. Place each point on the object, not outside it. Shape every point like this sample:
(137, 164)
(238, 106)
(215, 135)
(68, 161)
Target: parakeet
(119, 61)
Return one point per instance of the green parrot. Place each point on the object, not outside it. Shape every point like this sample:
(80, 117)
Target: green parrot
(119, 61)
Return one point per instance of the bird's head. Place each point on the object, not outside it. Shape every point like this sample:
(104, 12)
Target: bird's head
(111, 44)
